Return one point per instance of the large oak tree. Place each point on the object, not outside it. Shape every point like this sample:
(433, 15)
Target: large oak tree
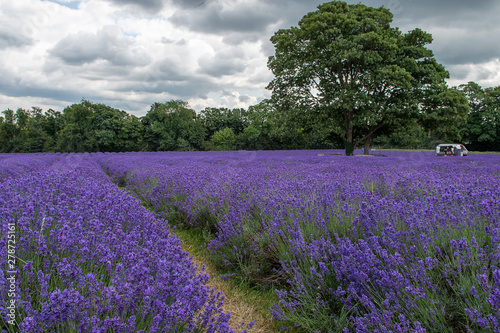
(344, 67)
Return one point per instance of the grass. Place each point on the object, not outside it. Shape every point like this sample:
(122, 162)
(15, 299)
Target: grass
(485, 152)
(417, 149)
(245, 303)
(402, 149)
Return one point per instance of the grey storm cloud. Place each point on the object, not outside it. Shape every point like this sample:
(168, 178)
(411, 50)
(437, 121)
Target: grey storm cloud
(168, 70)
(107, 44)
(187, 4)
(218, 69)
(12, 39)
(465, 36)
(429, 9)
(464, 32)
(182, 89)
(154, 6)
(213, 18)
(166, 76)
(12, 86)
(224, 62)
(148, 5)
(244, 98)
(466, 47)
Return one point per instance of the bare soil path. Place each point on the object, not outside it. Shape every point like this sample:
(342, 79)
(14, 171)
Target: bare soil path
(243, 306)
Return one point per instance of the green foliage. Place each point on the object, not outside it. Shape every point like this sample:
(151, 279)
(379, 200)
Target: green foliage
(468, 115)
(224, 139)
(77, 134)
(93, 127)
(216, 119)
(445, 112)
(261, 132)
(197, 238)
(412, 135)
(346, 71)
(268, 129)
(172, 126)
(24, 131)
(249, 138)
(482, 130)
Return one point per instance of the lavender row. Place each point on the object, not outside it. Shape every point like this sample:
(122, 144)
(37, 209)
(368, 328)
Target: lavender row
(90, 258)
(14, 165)
(407, 242)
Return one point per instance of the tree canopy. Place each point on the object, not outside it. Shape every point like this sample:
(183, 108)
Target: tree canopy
(173, 126)
(482, 130)
(90, 127)
(345, 70)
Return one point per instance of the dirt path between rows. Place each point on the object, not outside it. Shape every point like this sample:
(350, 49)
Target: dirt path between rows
(241, 306)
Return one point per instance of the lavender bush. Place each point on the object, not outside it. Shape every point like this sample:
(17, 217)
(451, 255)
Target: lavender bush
(13, 165)
(409, 242)
(90, 258)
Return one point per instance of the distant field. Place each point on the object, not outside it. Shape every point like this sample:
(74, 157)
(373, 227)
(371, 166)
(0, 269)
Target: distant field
(485, 152)
(470, 151)
(405, 243)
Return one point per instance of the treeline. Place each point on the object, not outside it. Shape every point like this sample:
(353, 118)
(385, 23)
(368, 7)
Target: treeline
(480, 130)
(169, 126)
(174, 126)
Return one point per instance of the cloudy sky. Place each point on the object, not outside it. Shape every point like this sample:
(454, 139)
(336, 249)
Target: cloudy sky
(130, 53)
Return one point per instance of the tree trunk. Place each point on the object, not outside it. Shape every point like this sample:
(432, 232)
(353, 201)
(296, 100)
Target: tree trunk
(349, 148)
(367, 139)
(366, 148)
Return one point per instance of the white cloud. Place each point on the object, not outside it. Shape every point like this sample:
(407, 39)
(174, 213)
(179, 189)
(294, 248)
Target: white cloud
(485, 74)
(107, 44)
(130, 53)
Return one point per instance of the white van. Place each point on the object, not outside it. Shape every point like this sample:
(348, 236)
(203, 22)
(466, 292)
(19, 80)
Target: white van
(451, 149)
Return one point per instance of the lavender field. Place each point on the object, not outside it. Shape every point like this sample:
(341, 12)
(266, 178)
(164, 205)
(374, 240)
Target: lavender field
(409, 242)
(87, 257)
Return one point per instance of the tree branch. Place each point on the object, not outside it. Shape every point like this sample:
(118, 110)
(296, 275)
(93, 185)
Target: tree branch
(370, 133)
